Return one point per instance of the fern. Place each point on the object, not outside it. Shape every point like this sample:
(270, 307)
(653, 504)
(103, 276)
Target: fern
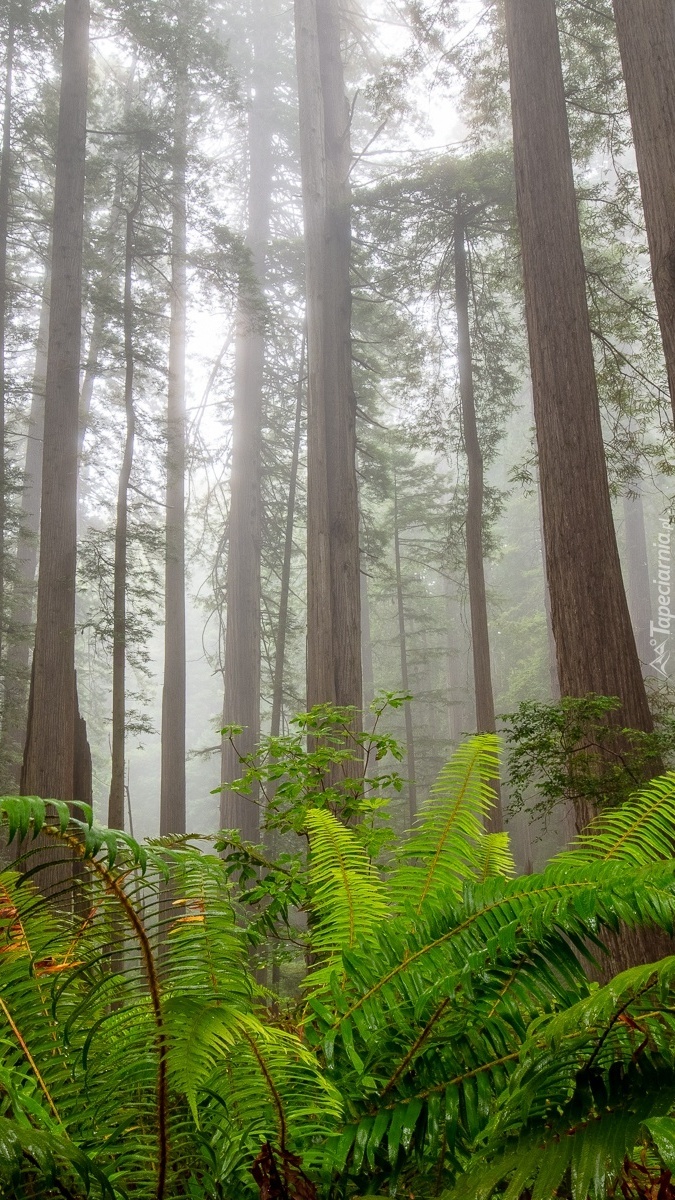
(143, 1002)
(593, 1082)
(346, 893)
(494, 857)
(638, 832)
(449, 1037)
(446, 845)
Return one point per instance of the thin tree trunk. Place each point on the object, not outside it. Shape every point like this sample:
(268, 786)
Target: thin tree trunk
(5, 174)
(90, 374)
(550, 639)
(285, 588)
(591, 623)
(368, 668)
(117, 214)
(646, 33)
(333, 560)
(16, 680)
(403, 651)
(172, 791)
(49, 758)
(637, 564)
(119, 653)
(243, 629)
(475, 565)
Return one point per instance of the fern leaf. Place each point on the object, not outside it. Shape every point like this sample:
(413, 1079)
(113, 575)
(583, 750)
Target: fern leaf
(445, 846)
(494, 857)
(639, 832)
(347, 895)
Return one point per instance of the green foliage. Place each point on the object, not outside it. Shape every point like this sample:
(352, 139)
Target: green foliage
(573, 749)
(446, 1040)
(448, 844)
(326, 763)
(135, 1056)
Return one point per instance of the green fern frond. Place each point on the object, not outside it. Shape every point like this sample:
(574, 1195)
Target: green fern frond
(444, 847)
(589, 1153)
(347, 895)
(494, 857)
(637, 833)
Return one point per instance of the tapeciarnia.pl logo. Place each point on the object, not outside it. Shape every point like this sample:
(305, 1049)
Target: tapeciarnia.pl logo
(659, 630)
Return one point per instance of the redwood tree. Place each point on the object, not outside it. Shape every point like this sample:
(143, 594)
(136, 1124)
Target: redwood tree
(403, 653)
(172, 788)
(637, 574)
(50, 752)
(243, 628)
(5, 172)
(333, 581)
(646, 33)
(17, 662)
(591, 623)
(475, 563)
(120, 570)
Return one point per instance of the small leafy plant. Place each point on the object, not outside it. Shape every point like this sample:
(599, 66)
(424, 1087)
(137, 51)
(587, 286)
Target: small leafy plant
(573, 750)
(326, 762)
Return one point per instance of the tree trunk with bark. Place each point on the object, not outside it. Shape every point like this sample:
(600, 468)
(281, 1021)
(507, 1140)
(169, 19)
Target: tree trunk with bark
(368, 667)
(285, 587)
(637, 565)
(101, 314)
(405, 684)
(243, 629)
(475, 564)
(333, 559)
(591, 623)
(17, 663)
(119, 654)
(550, 639)
(5, 175)
(172, 789)
(49, 758)
(646, 33)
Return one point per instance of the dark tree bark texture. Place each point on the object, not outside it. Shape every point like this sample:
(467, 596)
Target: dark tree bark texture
(591, 623)
(646, 33)
(333, 589)
(49, 758)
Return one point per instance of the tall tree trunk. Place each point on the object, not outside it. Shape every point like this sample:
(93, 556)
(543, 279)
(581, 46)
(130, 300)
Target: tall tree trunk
(475, 565)
(591, 623)
(91, 372)
(646, 33)
(550, 639)
(405, 684)
(172, 790)
(49, 758)
(101, 315)
(16, 679)
(368, 668)
(5, 174)
(119, 653)
(637, 566)
(285, 588)
(333, 561)
(243, 628)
